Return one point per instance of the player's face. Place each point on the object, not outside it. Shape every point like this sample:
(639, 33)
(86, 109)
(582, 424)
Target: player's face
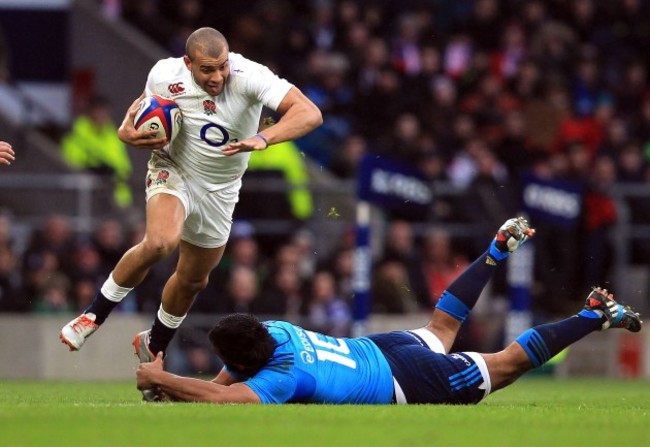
(208, 72)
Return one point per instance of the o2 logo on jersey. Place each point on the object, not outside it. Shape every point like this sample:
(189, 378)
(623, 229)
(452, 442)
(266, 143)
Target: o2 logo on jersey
(215, 135)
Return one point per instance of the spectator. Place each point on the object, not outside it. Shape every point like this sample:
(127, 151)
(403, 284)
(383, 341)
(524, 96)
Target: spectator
(48, 253)
(486, 18)
(514, 148)
(243, 251)
(328, 312)
(92, 145)
(391, 289)
(440, 263)
(632, 169)
(146, 16)
(342, 267)
(55, 236)
(86, 263)
(242, 292)
(491, 195)
(402, 143)
(304, 242)
(38, 268)
(346, 160)
(6, 229)
(600, 218)
(12, 297)
(283, 295)
(109, 240)
(286, 160)
(83, 292)
(331, 90)
(402, 258)
(53, 296)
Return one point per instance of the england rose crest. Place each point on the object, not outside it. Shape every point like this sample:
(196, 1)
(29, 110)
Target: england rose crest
(209, 107)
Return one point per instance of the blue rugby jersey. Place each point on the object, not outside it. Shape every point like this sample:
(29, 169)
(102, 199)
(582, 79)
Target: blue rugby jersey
(311, 367)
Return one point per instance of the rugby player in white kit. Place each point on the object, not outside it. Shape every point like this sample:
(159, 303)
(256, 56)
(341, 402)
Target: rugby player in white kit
(193, 183)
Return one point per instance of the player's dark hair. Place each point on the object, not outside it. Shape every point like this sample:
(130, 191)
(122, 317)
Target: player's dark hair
(210, 41)
(241, 339)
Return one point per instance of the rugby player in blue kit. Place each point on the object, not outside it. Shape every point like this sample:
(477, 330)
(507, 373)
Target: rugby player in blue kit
(278, 362)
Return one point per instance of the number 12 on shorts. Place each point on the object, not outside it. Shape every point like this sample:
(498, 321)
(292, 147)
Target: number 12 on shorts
(331, 349)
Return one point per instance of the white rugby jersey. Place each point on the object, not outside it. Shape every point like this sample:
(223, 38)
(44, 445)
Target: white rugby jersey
(211, 122)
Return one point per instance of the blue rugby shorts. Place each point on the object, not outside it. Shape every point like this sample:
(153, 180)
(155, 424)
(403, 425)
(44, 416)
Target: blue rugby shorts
(424, 374)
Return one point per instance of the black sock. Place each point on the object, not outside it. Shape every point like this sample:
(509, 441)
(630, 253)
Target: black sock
(101, 307)
(160, 336)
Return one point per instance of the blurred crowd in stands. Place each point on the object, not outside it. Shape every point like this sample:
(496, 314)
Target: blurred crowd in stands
(470, 92)
(476, 93)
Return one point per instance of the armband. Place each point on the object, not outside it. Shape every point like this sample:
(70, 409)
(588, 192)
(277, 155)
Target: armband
(261, 137)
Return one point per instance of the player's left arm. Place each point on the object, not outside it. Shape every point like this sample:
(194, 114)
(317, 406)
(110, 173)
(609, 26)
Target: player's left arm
(299, 116)
(186, 389)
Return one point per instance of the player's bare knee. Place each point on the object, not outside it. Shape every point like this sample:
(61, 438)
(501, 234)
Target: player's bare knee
(506, 367)
(193, 284)
(158, 247)
(445, 327)
(445, 334)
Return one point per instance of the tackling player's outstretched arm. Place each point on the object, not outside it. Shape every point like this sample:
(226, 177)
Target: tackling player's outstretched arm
(299, 117)
(129, 135)
(185, 389)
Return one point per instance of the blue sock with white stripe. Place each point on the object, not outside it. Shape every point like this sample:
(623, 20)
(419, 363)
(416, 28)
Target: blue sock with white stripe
(543, 342)
(462, 294)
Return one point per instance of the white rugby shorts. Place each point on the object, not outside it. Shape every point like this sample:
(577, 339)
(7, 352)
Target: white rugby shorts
(208, 214)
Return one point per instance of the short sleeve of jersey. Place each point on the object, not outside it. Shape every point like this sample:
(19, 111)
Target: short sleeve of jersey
(160, 73)
(273, 385)
(260, 82)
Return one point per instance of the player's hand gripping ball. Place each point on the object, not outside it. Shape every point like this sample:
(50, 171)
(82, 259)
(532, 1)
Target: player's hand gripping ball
(161, 114)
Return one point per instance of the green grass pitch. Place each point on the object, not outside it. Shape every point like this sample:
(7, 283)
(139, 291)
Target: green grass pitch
(536, 411)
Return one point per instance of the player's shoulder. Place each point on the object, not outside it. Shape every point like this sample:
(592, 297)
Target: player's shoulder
(281, 331)
(243, 67)
(171, 67)
(277, 325)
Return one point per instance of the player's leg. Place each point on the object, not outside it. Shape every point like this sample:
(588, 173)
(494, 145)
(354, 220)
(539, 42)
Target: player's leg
(165, 214)
(190, 278)
(460, 297)
(205, 233)
(539, 344)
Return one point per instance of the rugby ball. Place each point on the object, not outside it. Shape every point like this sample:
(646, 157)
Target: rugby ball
(161, 114)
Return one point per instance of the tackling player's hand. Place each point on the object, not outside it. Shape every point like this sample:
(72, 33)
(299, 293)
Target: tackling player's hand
(143, 139)
(251, 144)
(147, 372)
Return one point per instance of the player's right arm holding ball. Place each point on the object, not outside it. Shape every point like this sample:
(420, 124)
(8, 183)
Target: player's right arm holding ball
(141, 139)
